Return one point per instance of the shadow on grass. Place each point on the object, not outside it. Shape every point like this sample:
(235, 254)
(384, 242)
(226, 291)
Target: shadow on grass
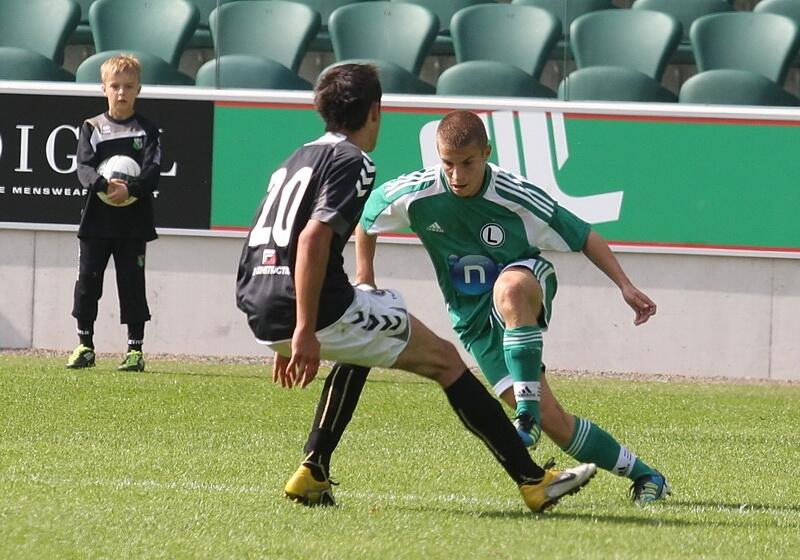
(734, 507)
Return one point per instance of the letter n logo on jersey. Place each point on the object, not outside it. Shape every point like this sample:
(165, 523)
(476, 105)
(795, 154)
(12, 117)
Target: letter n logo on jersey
(269, 257)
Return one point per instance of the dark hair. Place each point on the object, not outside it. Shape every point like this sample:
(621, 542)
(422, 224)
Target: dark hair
(344, 94)
(460, 129)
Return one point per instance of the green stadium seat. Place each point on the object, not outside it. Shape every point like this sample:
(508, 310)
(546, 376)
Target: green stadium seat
(489, 78)
(567, 10)
(159, 27)
(761, 42)
(788, 8)
(278, 30)
(734, 87)
(522, 36)
(25, 64)
(248, 71)
(155, 70)
(396, 36)
(612, 83)
(445, 10)
(41, 26)
(642, 40)
(83, 34)
(322, 42)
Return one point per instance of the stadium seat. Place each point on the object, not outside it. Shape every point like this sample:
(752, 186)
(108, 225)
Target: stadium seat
(24, 64)
(567, 10)
(612, 83)
(276, 29)
(788, 8)
(83, 33)
(734, 87)
(41, 26)
(522, 36)
(247, 71)
(325, 8)
(761, 42)
(489, 78)
(685, 11)
(395, 35)
(159, 27)
(155, 70)
(642, 40)
(445, 10)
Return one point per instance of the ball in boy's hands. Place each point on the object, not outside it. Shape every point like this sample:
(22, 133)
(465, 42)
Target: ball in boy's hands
(118, 167)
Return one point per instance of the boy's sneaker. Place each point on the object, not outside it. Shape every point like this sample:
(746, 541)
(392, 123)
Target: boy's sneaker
(528, 430)
(649, 488)
(81, 357)
(310, 490)
(556, 484)
(134, 361)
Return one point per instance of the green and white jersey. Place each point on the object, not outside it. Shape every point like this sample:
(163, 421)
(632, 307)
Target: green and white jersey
(470, 240)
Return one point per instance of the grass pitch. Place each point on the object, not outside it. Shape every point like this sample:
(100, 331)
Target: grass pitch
(188, 460)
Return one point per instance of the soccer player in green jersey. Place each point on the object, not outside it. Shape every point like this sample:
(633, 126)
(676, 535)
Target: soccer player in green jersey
(484, 229)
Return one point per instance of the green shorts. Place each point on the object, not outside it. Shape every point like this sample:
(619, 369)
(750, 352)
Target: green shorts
(487, 347)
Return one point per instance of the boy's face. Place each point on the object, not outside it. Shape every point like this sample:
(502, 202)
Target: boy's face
(464, 167)
(121, 90)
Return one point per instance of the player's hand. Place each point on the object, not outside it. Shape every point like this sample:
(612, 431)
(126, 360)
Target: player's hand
(640, 303)
(117, 191)
(279, 371)
(304, 364)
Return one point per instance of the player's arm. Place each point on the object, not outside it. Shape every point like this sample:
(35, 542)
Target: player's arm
(597, 250)
(313, 252)
(147, 181)
(87, 161)
(365, 257)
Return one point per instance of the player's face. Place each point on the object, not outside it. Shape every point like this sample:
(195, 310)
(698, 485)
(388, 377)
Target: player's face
(121, 90)
(464, 167)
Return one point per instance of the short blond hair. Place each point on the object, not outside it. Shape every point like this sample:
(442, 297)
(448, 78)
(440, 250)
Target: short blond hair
(460, 129)
(121, 63)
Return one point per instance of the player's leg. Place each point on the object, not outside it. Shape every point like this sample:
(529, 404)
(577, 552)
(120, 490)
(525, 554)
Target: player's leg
(129, 260)
(93, 255)
(481, 414)
(311, 483)
(518, 299)
(585, 441)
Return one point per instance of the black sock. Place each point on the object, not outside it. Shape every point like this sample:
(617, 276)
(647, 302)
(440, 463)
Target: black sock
(135, 336)
(86, 333)
(337, 402)
(484, 416)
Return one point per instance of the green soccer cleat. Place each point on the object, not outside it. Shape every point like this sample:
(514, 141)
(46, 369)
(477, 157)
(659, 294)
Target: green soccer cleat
(650, 488)
(133, 361)
(528, 430)
(555, 485)
(81, 357)
(304, 488)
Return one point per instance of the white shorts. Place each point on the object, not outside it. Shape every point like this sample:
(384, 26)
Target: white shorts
(372, 332)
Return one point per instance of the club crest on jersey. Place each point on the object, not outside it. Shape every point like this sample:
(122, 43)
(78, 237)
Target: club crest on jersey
(269, 257)
(474, 274)
(137, 143)
(493, 235)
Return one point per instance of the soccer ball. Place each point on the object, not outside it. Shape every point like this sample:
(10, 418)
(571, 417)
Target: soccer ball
(118, 167)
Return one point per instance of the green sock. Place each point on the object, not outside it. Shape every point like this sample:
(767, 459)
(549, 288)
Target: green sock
(592, 444)
(522, 350)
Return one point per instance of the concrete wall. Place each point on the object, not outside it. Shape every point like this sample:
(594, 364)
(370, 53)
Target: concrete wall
(718, 316)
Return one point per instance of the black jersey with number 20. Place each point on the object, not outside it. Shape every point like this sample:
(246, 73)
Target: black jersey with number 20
(329, 181)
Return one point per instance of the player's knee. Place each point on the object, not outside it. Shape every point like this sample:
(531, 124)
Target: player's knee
(511, 294)
(89, 285)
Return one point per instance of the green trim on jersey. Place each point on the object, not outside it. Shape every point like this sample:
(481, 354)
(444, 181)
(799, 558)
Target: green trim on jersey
(470, 240)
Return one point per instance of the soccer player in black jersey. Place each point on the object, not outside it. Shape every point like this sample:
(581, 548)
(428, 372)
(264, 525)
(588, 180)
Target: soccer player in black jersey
(298, 300)
(122, 226)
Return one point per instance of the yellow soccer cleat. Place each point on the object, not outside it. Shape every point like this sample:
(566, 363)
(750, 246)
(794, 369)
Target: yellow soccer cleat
(304, 488)
(556, 484)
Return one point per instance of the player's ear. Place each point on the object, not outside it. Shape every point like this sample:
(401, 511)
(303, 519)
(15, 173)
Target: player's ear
(487, 151)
